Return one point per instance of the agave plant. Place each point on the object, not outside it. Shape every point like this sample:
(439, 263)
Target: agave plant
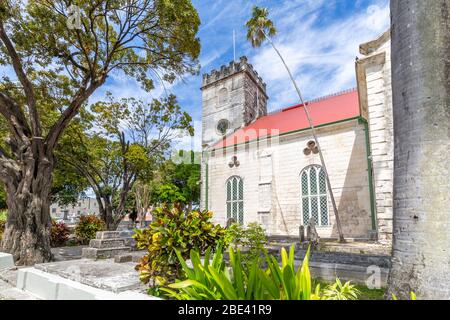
(214, 280)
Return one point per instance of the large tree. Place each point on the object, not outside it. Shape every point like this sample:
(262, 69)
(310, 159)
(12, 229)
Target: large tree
(421, 96)
(119, 143)
(61, 52)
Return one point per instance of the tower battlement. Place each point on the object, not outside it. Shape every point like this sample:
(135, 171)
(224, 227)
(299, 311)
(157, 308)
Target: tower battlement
(230, 69)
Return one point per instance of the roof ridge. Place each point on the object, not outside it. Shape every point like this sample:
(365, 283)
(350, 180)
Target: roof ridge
(318, 99)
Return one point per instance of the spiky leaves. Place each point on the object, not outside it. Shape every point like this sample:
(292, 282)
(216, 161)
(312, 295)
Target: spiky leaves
(259, 27)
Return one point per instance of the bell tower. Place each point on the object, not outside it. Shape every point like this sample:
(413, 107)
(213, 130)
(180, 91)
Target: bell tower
(232, 97)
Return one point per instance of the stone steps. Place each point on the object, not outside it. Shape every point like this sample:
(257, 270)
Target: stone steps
(106, 244)
(103, 253)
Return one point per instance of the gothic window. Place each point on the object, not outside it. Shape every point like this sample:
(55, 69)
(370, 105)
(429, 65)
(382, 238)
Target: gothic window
(223, 97)
(235, 199)
(314, 200)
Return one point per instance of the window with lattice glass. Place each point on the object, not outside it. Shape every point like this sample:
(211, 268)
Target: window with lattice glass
(235, 199)
(314, 202)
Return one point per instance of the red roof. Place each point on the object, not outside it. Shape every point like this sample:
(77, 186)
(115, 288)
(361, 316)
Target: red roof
(323, 111)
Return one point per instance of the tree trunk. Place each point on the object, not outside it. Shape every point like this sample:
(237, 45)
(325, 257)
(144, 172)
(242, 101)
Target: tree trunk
(27, 231)
(109, 215)
(421, 97)
(316, 140)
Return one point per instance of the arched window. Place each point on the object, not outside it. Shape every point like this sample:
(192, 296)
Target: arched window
(235, 199)
(223, 96)
(314, 195)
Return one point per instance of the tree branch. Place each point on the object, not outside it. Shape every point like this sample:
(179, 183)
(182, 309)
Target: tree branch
(27, 86)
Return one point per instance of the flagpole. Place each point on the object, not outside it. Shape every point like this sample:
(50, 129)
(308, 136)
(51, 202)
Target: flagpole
(234, 46)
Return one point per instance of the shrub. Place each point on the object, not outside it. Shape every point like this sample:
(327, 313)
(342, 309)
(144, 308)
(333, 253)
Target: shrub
(174, 229)
(252, 239)
(3, 216)
(213, 280)
(59, 234)
(87, 228)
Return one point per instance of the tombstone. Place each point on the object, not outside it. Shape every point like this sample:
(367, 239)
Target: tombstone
(230, 222)
(311, 233)
(301, 231)
(107, 244)
(6, 260)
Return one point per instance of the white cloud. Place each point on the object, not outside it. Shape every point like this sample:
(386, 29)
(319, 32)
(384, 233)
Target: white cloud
(186, 142)
(320, 55)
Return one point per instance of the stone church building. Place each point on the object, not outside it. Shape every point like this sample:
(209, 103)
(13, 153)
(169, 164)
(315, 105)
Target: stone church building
(264, 167)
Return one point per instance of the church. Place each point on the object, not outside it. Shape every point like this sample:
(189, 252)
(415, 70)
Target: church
(265, 167)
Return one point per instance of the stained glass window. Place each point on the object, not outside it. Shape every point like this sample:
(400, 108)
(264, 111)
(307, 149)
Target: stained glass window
(235, 199)
(314, 196)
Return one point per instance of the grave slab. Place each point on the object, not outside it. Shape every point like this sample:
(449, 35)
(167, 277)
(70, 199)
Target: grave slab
(6, 260)
(102, 274)
(49, 286)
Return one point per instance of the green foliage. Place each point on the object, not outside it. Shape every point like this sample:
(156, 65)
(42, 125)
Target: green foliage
(214, 280)
(259, 26)
(176, 182)
(59, 234)
(2, 197)
(3, 217)
(61, 66)
(169, 193)
(68, 185)
(174, 230)
(364, 292)
(87, 227)
(186, 177)
(339, 291)
(252, 239)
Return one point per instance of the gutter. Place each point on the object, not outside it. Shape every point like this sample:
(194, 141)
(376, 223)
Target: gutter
(363, 121)
(269, 137)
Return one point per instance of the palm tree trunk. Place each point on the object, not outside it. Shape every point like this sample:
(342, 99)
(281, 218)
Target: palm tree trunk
(421, 105)
(313, 131)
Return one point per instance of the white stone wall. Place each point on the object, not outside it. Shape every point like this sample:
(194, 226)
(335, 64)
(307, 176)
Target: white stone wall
(271, 175)
(82, 207)
(213, 111)
(379, 97)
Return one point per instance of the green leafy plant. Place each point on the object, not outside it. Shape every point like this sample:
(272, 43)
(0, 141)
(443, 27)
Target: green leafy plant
(252, 239)
(87, 228)
(169, 193)
(339, 291)
(174, 230)
(59, 234)
(214, 280)
(3, 217)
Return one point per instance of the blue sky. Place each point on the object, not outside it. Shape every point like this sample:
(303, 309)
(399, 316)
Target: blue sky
(318, 38)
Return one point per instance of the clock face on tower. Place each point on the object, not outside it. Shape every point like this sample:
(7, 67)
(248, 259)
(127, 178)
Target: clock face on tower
(223, 126)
